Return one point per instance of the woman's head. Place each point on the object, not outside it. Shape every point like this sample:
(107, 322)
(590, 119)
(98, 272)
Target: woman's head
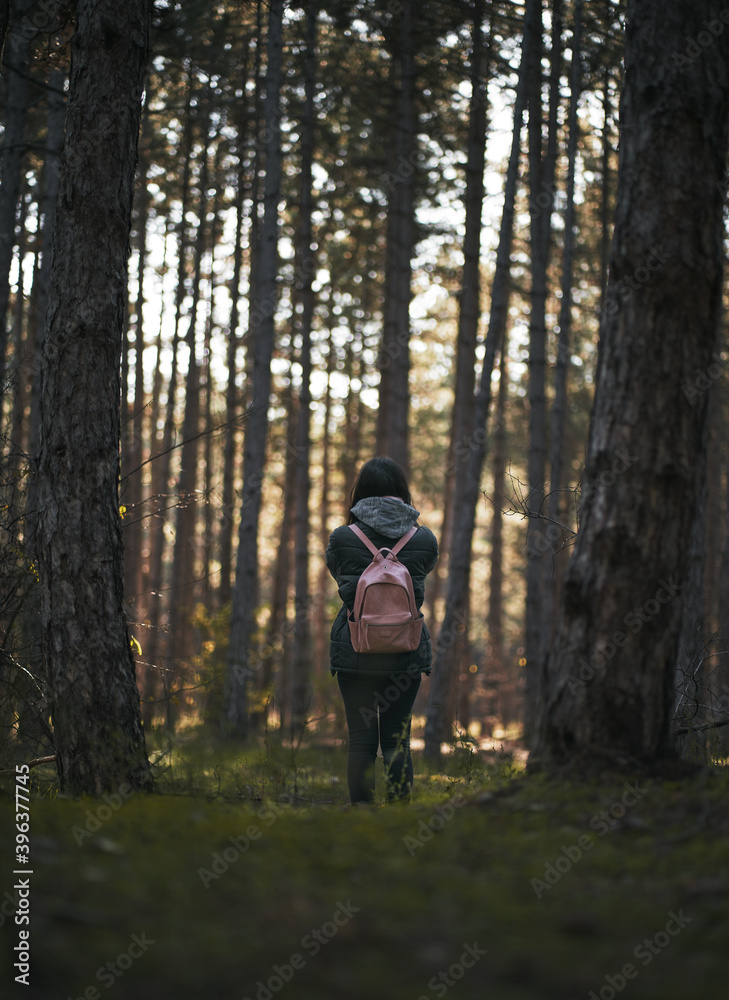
(380, 477)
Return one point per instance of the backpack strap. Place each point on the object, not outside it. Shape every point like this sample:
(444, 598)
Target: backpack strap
(363, 538)
(373, 548)
(404, 540)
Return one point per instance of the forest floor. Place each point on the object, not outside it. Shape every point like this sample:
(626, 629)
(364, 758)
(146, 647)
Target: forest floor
(249, 877)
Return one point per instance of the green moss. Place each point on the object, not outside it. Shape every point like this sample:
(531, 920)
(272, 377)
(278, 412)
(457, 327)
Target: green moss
(426, 880)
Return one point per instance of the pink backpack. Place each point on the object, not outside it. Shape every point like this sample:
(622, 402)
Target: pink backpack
(385, 618)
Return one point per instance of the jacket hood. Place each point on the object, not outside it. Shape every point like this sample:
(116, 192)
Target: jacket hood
(389, 516)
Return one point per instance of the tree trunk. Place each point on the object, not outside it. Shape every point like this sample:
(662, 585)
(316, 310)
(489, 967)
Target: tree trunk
(132, 493)
(606, 153)
(323, 625)
(15, 58)
(457, 601)
(245, 593)
(302, 662)
(54, 146)
(160, 644)
(99, 738)
(541, 188)
(691, 645)
(18, 375)
(610, 679)
(278, 625)
(470, 306)
(185, 547)
(556, 507)
(495, 667)
(394, 356)
(225, 541)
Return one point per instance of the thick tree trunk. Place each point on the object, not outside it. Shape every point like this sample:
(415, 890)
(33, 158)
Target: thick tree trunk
(610, 678)
(394, 358)
(98, 730)
(457, 600)
(716, 441)
(721, 679)
(245, 593)
(691, 651)
(54, 145)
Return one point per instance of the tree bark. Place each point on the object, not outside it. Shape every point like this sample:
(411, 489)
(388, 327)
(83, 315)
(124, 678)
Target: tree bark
(469, 312)
(99, 738)
(302, 667)
(159, 645)
(541, 188)
(185, 547)
(606, 154)
(496, 662)
(225, 540)
(132, 494)
(394, 356)
(555, 505)
(245, 593)
(610, 678)
(15, 58)
(474, 452)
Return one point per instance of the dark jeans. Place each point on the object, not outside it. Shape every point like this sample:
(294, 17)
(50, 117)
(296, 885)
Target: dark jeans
(379, 709)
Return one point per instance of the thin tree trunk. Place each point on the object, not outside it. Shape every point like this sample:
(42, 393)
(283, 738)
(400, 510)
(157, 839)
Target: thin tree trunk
(245, 593)
(150, 680)
(231, 391)
(610, 679)
(209, 451)
(556, 507)
(97, 725)
(16, 60)
(470, 307)
(161, 485)
(185, 547)
(606, 153)
(278, 625)
(18, 374)
(132, 494)
(302, 661)
(394, 358)
(541, 185)
(322, 623)
(457, 601)
(496, 662)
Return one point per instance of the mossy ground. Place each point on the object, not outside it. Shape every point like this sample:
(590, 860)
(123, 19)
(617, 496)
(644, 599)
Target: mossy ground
(395, 892)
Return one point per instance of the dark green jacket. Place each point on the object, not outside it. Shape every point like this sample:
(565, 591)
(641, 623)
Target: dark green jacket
(383, 520)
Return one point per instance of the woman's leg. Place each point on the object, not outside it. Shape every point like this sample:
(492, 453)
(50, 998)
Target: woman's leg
(398, 692)
(359, 696)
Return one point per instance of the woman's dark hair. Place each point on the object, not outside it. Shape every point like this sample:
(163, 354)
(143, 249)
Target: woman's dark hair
(380, 477)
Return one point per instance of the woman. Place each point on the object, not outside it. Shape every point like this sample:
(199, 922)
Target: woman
(378, 689)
